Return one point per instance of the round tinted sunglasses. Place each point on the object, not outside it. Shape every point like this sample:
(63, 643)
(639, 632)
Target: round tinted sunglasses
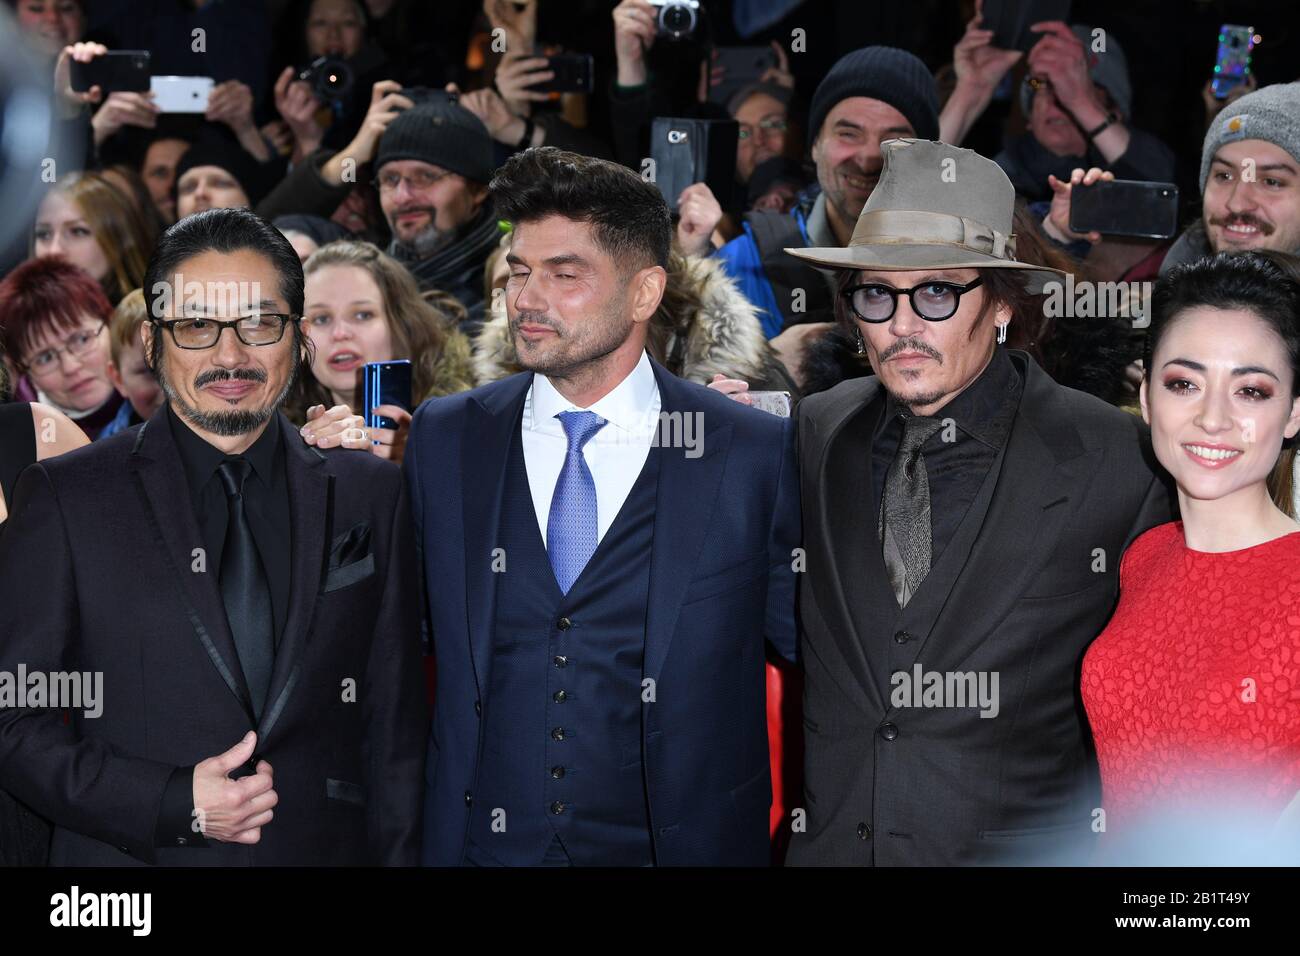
(932, 301)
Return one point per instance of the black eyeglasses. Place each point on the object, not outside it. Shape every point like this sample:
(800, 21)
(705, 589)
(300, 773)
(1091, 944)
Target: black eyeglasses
(267, 328)
(932, 301)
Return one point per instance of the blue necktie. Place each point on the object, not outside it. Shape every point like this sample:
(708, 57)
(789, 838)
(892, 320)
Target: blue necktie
(571, 530)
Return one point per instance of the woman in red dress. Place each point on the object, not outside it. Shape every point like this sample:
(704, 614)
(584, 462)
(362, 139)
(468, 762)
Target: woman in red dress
(1193, 689)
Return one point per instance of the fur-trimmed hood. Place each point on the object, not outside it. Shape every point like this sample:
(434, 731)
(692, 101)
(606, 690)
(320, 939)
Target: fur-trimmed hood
(721, 334)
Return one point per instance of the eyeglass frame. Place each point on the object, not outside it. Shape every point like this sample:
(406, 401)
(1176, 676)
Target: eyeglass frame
(958, 289)
(58, 350)
(170, 325)
(765, 126)
(406, 178)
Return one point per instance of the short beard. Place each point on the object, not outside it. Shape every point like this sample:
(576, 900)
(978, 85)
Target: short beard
(228, 424)
(608, 338)
(425, 243)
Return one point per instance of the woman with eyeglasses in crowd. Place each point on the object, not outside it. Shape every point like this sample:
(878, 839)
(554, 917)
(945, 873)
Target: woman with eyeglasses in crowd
(55, 321)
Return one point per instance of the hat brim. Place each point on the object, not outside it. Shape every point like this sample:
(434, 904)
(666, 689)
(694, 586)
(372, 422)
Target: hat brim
(904, 258)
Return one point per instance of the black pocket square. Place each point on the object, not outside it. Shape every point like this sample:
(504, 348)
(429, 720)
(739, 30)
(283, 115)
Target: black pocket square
(350, 559)
(352, 545)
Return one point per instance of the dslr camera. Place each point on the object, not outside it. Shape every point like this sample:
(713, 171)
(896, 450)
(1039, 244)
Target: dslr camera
(677, 18)
(330, 78)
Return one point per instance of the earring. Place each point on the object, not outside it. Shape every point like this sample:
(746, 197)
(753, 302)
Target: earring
(862, 346)
(1002, 332)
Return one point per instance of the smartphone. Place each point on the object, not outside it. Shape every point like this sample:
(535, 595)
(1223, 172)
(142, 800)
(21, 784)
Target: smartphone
(741, 65)
(777, 403)
(1125, 207)
(385, 383)
(1232, 62)
(181, 94)
(117, 71)
(574, 73)
(1010, 20)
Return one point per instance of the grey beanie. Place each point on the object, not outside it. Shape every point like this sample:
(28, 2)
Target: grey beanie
(1108, 70)
(1271, 113)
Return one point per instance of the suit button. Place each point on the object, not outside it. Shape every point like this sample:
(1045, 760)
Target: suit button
(469, 798)
(561, 660)
(888, 731)
(864, 832)
(557, 733)
(181, 841)
(901, 637)
(564, 624)
(478, 708)
(557, 773)
(557, 807)
(561, 697)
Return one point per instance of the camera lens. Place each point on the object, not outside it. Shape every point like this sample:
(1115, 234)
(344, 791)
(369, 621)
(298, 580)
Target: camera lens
(677, 19)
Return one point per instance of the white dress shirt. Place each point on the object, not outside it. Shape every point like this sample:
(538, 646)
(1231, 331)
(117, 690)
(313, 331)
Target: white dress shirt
(615, 454)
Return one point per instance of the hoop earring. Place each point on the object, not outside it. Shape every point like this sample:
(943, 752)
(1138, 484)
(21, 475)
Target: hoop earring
(1002, 332)
(862, 346)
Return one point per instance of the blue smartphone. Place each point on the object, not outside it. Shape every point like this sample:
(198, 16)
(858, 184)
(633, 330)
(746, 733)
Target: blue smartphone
(1232, 63)
(385, 383)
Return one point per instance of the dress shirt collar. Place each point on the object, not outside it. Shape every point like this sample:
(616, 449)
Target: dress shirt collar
(201, 458)
(627, 407)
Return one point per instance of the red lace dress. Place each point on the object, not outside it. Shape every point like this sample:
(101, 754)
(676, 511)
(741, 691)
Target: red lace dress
(1193, 689)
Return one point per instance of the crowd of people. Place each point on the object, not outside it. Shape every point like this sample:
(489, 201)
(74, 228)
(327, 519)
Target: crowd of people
(657, 627)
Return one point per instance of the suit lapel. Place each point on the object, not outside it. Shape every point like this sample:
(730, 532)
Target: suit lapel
(311, 520)
(491, 423)
(684, 501)
(856, 591)
(165, 491)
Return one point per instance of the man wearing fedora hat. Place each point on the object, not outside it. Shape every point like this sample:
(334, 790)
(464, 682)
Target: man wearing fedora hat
(964, 517)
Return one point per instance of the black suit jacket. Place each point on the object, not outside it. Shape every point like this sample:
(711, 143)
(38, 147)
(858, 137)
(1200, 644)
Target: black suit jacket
(1032, 582)
(101, 570)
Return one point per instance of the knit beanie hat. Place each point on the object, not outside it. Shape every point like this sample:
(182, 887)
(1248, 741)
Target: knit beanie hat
(1271, 113)
(882, 73)
(212, 149)
(441, 133)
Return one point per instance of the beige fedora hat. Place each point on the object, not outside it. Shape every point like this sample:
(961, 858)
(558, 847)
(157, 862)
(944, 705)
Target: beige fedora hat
(935, 206)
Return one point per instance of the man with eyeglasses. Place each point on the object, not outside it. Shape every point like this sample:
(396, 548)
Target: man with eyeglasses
(964, 518)
(1077, 101)
(245, 602)
(432, 167)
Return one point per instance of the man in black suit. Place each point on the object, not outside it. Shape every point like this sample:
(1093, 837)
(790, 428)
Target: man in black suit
(964, 517)
(249, 601)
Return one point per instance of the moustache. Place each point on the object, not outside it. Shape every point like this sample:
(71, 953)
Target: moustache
(427, 210)
(1243, 219)
(228, 375)
(533, 318)
(911, 345)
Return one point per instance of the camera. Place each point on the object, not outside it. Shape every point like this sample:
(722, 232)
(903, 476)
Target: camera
(330, 78)
(677, 18)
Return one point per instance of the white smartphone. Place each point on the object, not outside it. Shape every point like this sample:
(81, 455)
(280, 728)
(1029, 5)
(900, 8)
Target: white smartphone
(181, 94)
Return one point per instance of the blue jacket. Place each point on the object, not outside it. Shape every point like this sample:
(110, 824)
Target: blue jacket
(742, 261)
(721, 580)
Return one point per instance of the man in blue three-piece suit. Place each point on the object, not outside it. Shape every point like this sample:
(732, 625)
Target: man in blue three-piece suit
(605, 548)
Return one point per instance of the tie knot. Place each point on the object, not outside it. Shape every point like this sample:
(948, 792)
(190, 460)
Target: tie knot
(580, 426)
(917, 430)
(233, 471)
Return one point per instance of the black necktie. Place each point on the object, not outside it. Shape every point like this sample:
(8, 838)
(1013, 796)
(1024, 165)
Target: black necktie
(244, 590)
(904, 525)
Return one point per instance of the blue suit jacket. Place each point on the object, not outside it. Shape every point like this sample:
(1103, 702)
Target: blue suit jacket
(721, 580)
